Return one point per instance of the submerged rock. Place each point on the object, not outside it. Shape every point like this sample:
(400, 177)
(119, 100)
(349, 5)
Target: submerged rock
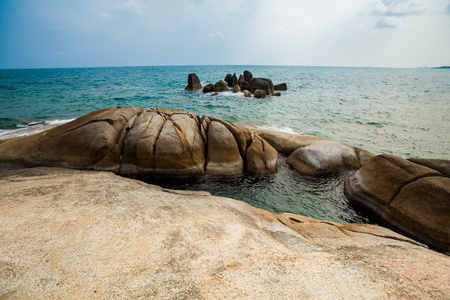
(315, 156)
(193, 82)
(409, 197)
(280, 87)
(69, 234)
(136, 142)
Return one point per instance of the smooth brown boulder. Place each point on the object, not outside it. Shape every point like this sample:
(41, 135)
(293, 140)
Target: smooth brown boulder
(69, 234)
(262, 84)
(261, 158)
(276, 94)
(407, 197)
(259, 94)
(440, 165)
(280, 87)
(236, 89)
(208, 88)
(247, 93)
(313, 155)
(135, 142)
(244, 85)
(223, 156)
(193, 82)
(220, 86)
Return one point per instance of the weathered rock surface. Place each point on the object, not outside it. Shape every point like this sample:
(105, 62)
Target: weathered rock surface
(315, 156)
(408, 197)
(135, 142)
(220, 86)
(262, 84)
(280, 87)
(208, 88)
(68, 234)
(194, 82)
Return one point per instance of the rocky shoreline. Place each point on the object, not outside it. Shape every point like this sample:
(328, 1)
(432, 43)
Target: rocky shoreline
(411, 197)
(87, 234)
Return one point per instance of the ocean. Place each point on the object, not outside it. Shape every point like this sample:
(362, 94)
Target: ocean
(405, 112)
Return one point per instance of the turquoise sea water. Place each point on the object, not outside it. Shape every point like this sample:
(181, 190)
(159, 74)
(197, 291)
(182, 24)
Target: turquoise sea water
(405, 112)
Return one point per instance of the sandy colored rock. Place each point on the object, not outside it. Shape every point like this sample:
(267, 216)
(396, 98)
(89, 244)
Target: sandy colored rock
(236, 89)
(223, 156)
(408, 197)
(315, 156)
(70, 234)
(220, 86)
(261, 156)
(133, 142)
(324, 157)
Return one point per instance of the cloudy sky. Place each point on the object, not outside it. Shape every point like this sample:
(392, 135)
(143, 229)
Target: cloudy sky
(93, 33)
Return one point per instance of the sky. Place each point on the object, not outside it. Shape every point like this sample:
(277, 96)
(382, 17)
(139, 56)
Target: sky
(102, 33)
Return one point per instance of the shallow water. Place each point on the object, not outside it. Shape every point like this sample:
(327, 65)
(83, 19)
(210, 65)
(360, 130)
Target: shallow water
(405, 112)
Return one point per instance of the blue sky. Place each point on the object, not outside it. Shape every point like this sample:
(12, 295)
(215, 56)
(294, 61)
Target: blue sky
(95, 33)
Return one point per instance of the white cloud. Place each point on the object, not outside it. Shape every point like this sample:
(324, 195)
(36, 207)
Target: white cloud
(398, 7)
(387, 22)
(214, 35)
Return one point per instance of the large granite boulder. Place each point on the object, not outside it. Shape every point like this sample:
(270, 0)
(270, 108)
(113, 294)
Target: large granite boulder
(193, 82)
(68, 234)
(136, 142)
(315, 156)
(262, 84)
(409, 197)
(259, 94)
(221, 86)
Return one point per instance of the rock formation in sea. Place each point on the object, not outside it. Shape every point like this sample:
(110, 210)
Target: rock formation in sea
(410, 196)
(313, 155)
(145, 142)
(245, 82)
(69, 234)
(193, 82)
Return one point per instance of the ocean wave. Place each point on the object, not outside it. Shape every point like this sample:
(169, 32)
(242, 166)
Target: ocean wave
(31, 128)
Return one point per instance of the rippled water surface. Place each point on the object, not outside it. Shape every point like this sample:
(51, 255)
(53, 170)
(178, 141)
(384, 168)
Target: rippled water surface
(405, 112)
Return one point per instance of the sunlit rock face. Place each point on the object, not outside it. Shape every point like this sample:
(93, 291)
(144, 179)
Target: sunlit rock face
(71, 234)
(144, 142)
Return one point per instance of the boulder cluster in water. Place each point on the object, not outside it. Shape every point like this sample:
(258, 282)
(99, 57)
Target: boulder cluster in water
(258, 87)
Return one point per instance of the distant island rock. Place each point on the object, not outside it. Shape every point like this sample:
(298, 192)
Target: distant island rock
(245, 84)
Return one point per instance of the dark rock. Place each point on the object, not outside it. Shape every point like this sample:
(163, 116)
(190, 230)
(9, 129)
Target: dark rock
(248, 76)
(215, 94)
(262, 84)
(259, 94)
(280, 87)
(221, 86)
(244, 85)
(408, 197)
(208, 88)
(228, 79)
(193, 82)
(241, 79)
(276, 94)
(234, 80)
